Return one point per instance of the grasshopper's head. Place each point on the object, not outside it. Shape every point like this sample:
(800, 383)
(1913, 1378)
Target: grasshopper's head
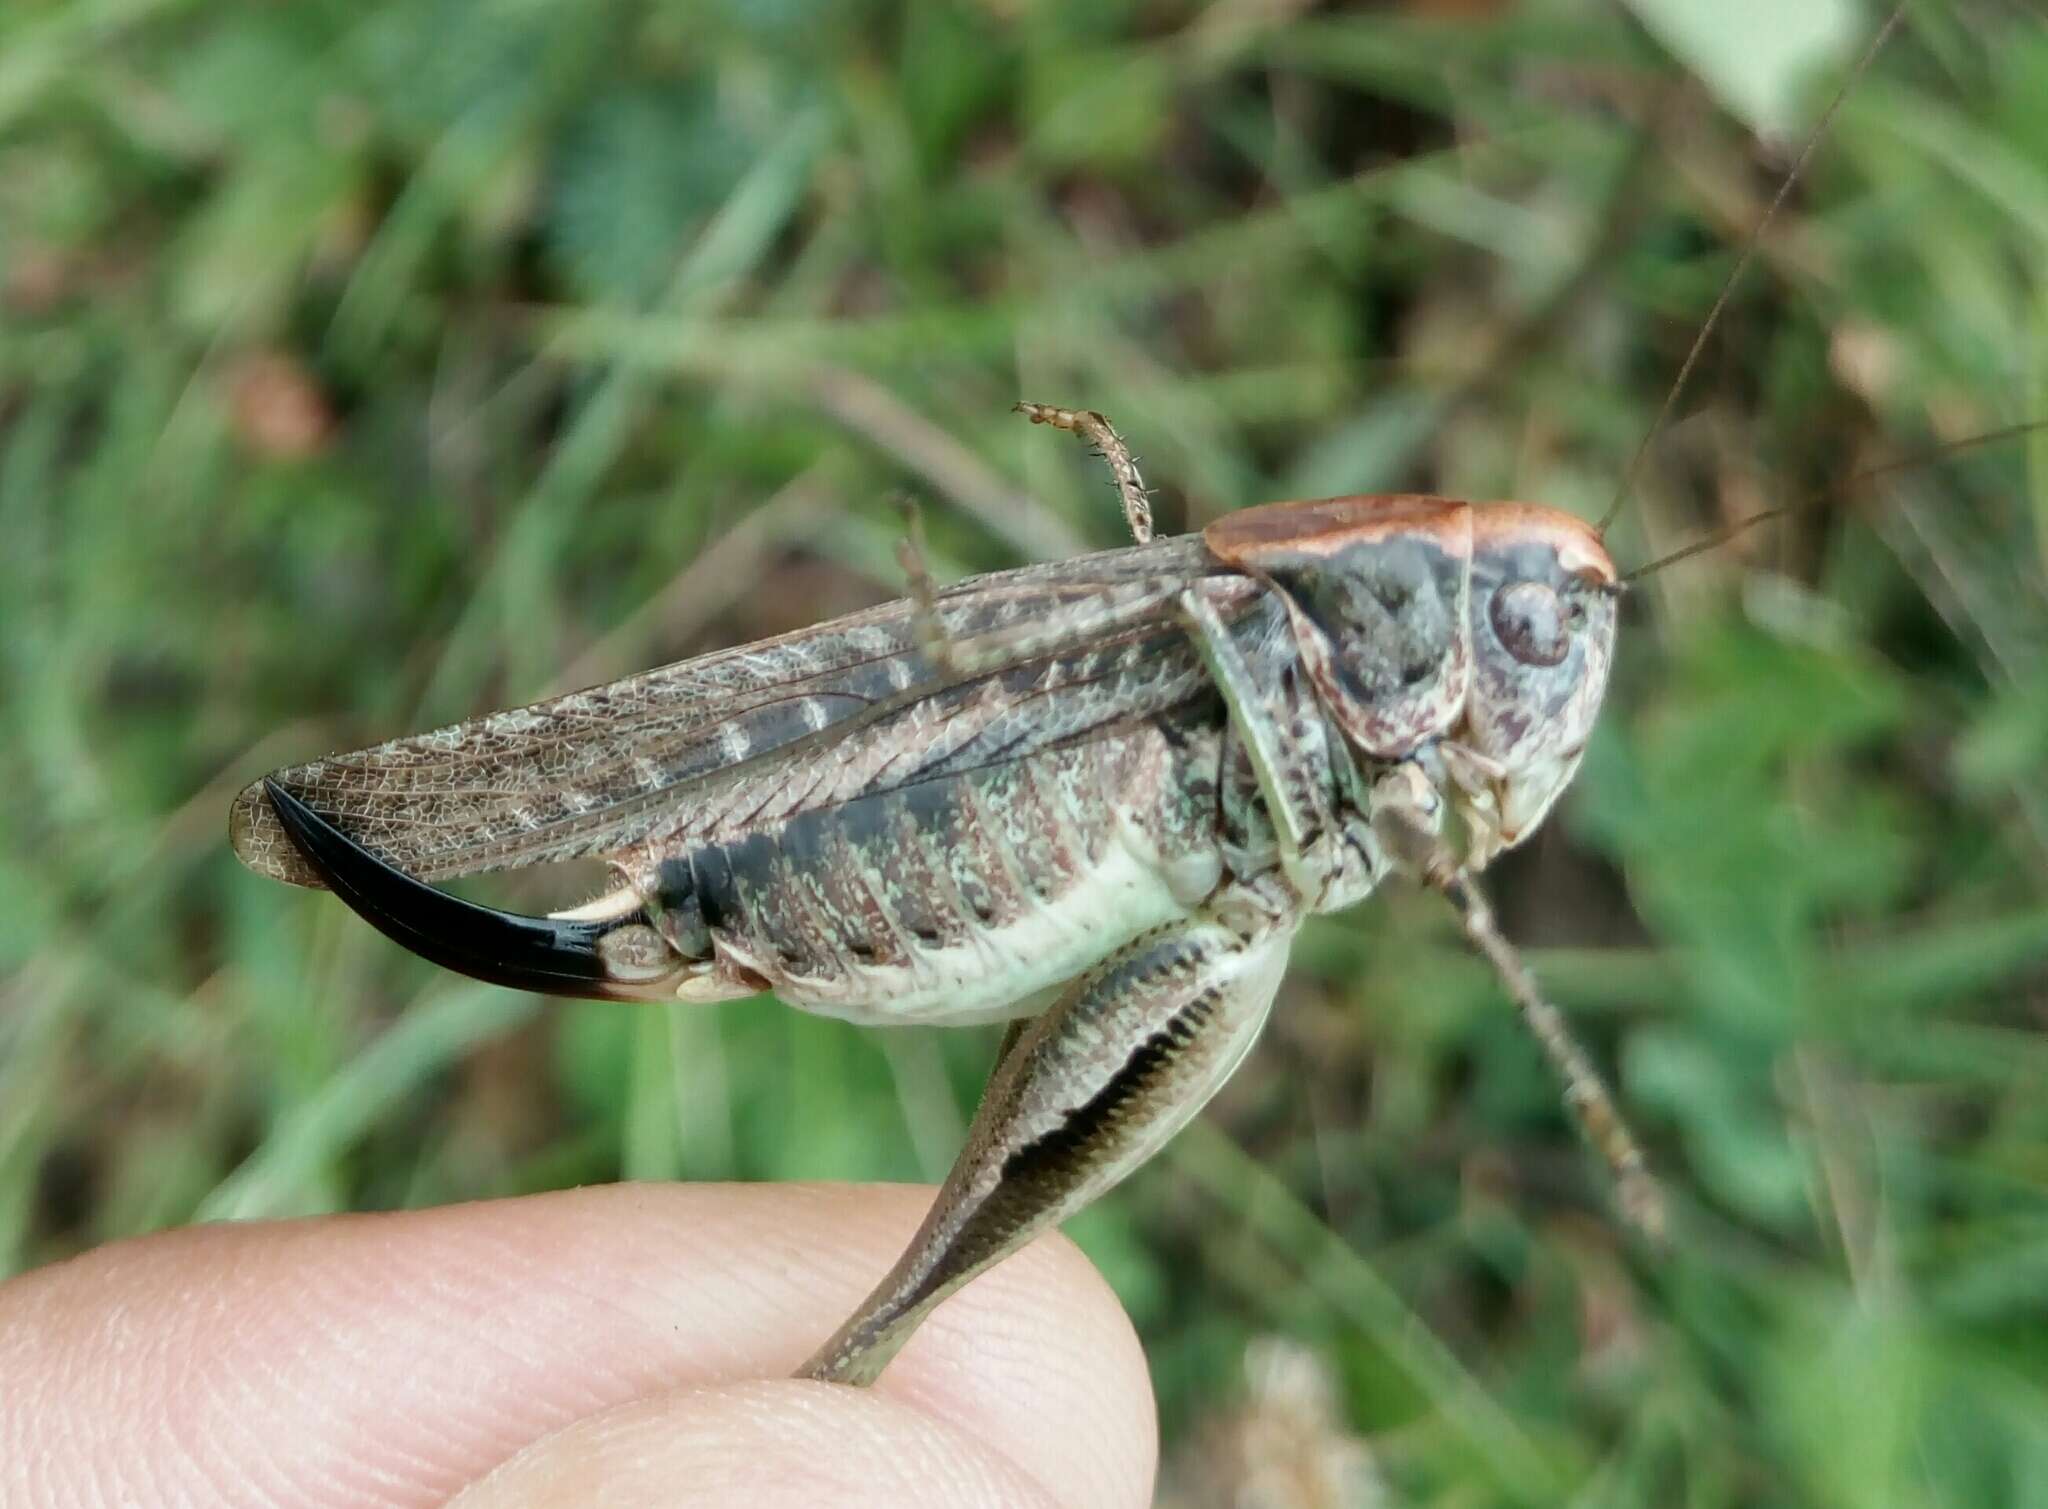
(1542, 616)
(1480, 631)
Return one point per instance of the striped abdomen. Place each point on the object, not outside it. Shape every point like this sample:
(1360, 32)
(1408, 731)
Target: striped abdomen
(957, 898)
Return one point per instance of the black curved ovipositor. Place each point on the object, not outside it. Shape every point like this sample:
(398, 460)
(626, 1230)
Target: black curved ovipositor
(544, 954)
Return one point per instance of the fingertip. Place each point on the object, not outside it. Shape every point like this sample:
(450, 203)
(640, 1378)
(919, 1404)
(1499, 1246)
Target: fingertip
(766, 1445)
(1040, 1356)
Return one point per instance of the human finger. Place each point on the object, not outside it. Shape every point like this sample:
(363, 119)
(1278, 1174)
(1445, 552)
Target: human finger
(395, 1358)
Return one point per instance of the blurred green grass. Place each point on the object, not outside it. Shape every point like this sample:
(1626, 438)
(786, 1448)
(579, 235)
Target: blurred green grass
(364, 366)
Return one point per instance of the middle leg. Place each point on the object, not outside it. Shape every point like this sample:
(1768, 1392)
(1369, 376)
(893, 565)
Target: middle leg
(1108, 611)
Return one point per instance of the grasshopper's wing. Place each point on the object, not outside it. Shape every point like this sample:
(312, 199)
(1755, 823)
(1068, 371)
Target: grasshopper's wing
(746, 735)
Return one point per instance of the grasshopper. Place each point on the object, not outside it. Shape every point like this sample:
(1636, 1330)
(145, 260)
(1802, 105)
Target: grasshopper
(1095, 799)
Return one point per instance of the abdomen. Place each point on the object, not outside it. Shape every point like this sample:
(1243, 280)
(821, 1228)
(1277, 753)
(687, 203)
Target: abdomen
(960, 899)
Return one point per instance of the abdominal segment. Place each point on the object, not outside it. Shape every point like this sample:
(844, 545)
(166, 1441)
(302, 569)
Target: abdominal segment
(953, 899)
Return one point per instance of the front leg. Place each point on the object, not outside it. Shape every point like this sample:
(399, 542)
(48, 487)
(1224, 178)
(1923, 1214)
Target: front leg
(1293, 803)
(1090, 1090)
(1406, 814)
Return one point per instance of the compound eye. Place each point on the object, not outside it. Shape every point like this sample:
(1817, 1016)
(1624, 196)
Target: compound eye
(1529, 621)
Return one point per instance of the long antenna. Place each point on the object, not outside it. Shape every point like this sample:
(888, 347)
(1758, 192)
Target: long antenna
(1848, 484)
(1749, 250)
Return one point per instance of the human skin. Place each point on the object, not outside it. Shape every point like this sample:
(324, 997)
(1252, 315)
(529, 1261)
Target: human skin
(625, 1345)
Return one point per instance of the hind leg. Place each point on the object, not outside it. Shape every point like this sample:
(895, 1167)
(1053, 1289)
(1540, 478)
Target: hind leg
(1090, 1090)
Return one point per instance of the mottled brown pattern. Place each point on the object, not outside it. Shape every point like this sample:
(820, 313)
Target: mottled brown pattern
(597, 770)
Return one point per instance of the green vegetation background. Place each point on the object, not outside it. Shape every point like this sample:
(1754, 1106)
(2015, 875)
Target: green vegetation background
(368, 365)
